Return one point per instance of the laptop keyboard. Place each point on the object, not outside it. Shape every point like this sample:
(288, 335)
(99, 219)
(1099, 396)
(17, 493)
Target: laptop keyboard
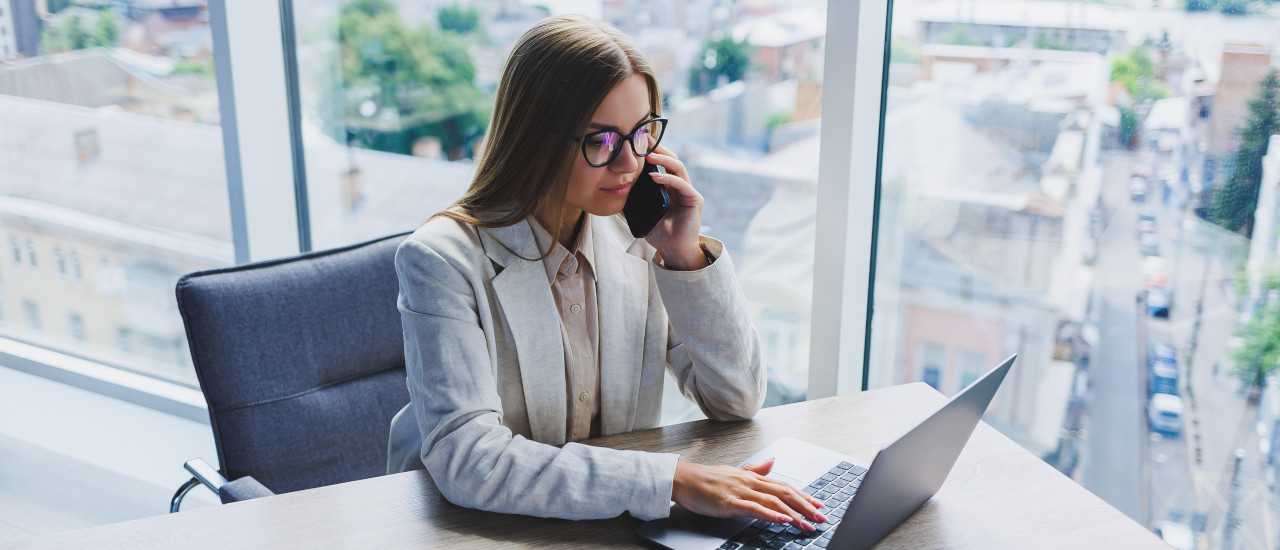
(835, 489)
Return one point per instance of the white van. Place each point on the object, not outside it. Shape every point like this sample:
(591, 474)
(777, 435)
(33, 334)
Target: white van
(1164, 412)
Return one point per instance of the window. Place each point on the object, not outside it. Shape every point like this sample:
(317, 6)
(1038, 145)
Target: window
(742, 87)
(111, 164)
(1063, 181)
(971, 365)
(32, 312)
(931, 363)
(59, 263)
(124, 339)
(75, 326)
(76, 275)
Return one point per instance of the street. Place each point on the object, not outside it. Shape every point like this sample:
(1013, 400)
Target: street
(1186, 478)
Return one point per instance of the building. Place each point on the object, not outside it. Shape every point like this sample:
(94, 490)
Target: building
(19, 29)
(1242, 69)
(1077, 26)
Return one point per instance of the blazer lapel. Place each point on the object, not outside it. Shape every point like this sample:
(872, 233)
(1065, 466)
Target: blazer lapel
(524, 296)
(622, 281)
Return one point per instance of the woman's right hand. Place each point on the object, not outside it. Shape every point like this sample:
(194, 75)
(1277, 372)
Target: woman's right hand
(725, 491)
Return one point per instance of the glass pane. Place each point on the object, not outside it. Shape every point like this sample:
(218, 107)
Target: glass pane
(1078, 183)
(112, 182)
(388, 145)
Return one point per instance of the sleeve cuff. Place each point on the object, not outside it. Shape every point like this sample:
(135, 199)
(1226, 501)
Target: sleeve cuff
(654, 501)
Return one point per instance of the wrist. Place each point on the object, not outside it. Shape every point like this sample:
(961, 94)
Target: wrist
(686, 258)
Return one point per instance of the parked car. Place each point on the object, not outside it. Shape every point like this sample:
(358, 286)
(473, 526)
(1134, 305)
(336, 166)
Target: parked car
(1138, 188)
(1158, 302)
(1153, 272)
(1149, 244)
(1146, 221)
(1162, 369)
(1177, 535)
(1164, 414)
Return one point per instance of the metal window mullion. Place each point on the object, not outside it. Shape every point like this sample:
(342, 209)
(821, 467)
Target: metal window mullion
(848, 184)
(257, 131)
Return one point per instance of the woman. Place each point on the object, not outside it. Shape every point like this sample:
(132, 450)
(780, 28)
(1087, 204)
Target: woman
(532, 318)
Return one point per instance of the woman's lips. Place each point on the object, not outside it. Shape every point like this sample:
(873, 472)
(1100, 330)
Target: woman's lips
(619, 190)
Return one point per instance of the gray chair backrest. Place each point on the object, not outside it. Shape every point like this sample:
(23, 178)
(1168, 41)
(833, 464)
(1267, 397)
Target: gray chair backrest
(301, 361)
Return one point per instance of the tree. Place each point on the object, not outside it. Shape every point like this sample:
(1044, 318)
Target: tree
(1260, 354)
(1232, 206)
(420, 81)
(1137, 73)
(106, 30)
(720, 57)
(457, 19)
(77, 37)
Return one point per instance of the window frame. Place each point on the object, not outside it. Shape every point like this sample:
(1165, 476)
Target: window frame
(256, 68)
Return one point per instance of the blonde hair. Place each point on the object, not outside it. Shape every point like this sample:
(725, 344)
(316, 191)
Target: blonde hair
(556, 76)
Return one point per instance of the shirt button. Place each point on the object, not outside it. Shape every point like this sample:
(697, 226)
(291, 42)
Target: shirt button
(584, 396)
(575, 309)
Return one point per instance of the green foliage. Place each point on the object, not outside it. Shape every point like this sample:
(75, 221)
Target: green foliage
(421, 80)
(1128, 126)
(776, 119)
(72, 34)
(902, 50)
(77, 36)
(1260, 354)
(1233, 7)
(1043, 42)
(1232, 206)
(959, 36)
(721, 57)
(458, 19)
(1137, 73)
(106, 30)
(187, 66)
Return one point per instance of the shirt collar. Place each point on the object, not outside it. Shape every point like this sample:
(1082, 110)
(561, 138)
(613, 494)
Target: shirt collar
(583, 247)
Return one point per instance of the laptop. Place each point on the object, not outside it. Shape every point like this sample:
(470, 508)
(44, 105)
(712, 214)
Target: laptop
(863, 501)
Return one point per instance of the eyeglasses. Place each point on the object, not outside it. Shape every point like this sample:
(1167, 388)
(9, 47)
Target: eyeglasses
(600, 148)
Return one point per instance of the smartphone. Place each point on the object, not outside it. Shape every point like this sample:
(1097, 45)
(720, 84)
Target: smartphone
(647, 202)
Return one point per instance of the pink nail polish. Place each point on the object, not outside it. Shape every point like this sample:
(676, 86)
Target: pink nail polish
(822, 518)
(807, 526)
(784, 519)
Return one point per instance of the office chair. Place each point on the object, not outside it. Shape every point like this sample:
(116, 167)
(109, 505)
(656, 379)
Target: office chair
(301, 361)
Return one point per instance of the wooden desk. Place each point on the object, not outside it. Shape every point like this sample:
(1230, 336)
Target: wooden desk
(998, 496)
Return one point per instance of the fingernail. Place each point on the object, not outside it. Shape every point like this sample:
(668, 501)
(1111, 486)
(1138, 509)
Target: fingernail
(784, 519)
(807, 526)
(815, 502)
(821, 518)
(656, 175)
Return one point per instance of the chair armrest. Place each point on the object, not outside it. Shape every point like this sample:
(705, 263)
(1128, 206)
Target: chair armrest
(205, 473)
(244, 488)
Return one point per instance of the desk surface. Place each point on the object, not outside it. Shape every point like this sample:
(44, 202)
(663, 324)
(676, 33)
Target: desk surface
(998, 495)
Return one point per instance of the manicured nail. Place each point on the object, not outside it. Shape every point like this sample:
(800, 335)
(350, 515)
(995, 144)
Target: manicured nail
(784, 519)
(815, 502)
(656, 175)
(807, 526)
(821, 518)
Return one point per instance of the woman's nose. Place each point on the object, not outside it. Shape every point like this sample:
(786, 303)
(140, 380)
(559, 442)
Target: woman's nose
(627, 161)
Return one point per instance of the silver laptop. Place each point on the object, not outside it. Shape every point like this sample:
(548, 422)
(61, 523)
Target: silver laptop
(870, 499)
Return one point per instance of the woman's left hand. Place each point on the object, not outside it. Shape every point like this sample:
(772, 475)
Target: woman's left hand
(676, 235)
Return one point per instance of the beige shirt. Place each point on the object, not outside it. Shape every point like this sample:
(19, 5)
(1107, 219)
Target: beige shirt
(573, 285)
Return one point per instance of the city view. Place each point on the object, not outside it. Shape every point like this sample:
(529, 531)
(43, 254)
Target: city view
(1089, 185)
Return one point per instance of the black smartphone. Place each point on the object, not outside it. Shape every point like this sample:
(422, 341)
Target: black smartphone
(647, 203)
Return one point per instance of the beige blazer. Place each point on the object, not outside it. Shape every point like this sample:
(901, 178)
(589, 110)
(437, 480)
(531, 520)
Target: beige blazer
(486, 370)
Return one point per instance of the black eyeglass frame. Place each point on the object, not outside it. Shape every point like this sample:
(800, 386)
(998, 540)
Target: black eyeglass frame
(625, 137)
